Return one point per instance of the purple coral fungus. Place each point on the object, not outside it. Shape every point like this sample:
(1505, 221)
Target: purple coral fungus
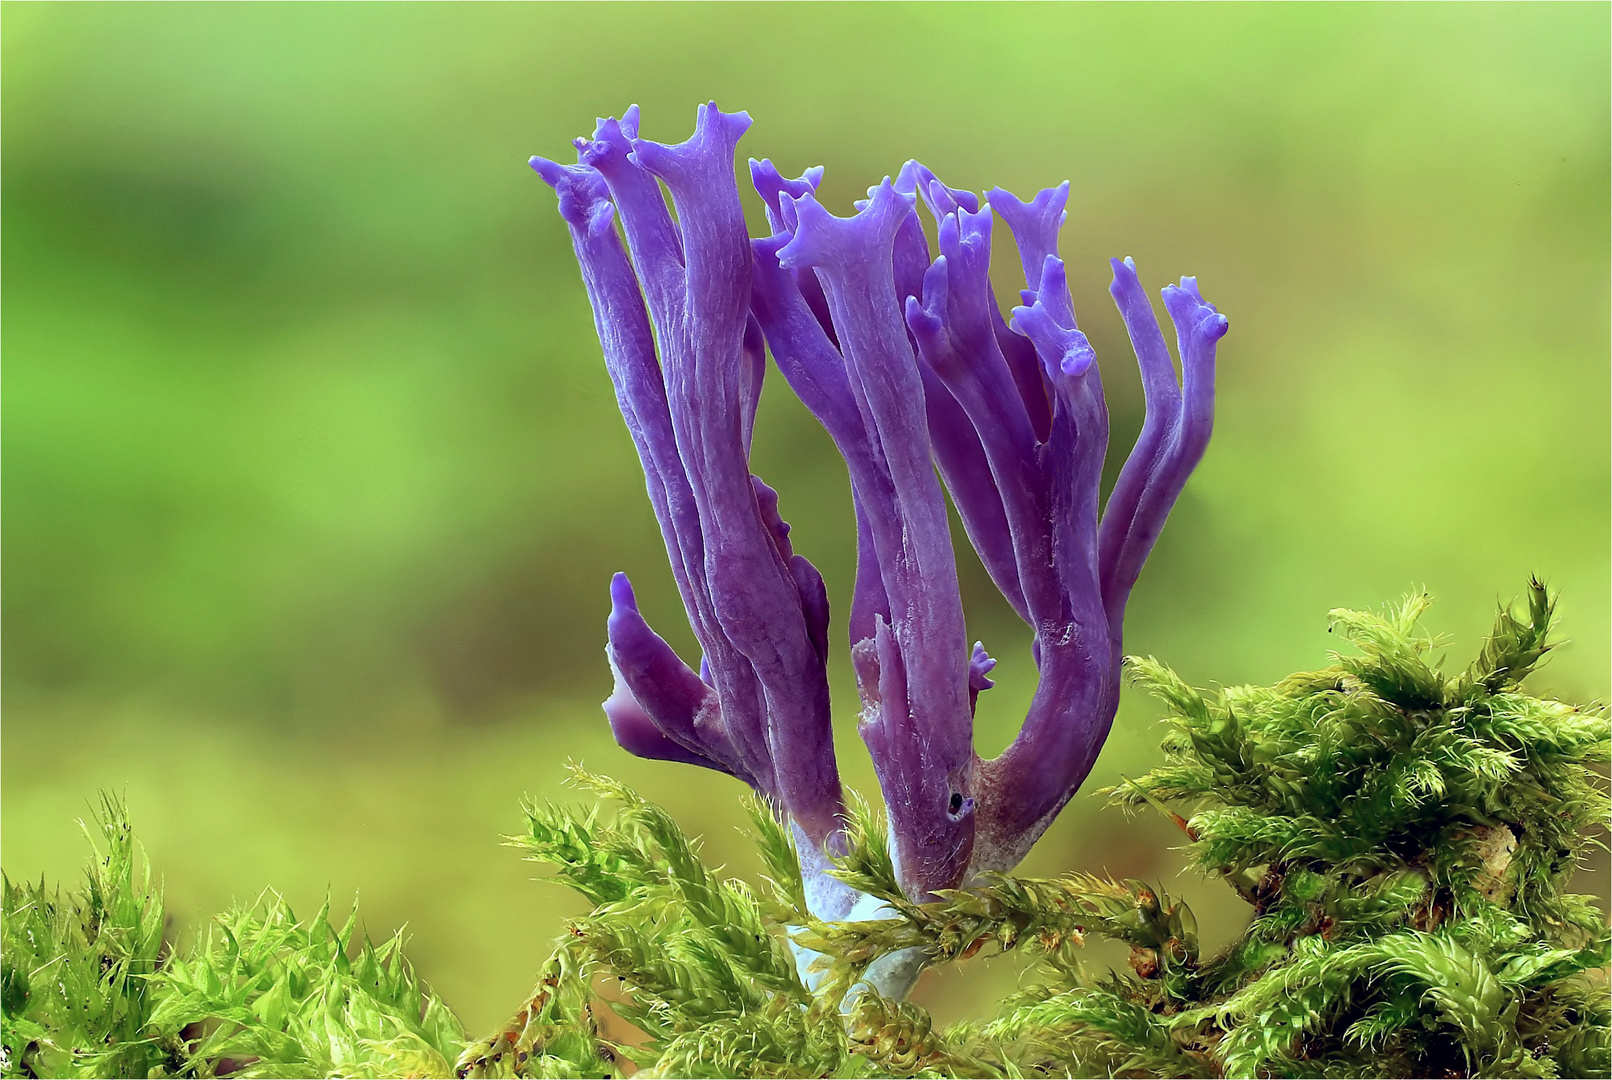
(905, 358)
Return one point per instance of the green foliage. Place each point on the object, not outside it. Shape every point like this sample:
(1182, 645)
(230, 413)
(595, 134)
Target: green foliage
(92, 989)
(1404, 840)
(304, 999)
(76, 970)
(705, 971)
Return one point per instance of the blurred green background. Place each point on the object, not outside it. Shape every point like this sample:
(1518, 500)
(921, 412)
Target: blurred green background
(313, 480)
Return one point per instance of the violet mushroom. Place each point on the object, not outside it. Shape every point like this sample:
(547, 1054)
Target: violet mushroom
(905, 358)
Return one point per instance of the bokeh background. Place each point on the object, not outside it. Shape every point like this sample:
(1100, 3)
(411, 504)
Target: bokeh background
(313, 480)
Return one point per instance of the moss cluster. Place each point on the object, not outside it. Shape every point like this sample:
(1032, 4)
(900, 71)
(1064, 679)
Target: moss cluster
(91, 988)
(1405, 840)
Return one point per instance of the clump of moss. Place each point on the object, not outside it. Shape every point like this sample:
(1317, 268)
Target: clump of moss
(92, 989)
(1405, 840)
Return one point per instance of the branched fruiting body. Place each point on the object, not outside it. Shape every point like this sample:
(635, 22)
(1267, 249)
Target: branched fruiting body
(905, 357)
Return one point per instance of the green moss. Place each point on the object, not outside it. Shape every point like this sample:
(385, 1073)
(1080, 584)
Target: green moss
(1405, 840)
(92, 989)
